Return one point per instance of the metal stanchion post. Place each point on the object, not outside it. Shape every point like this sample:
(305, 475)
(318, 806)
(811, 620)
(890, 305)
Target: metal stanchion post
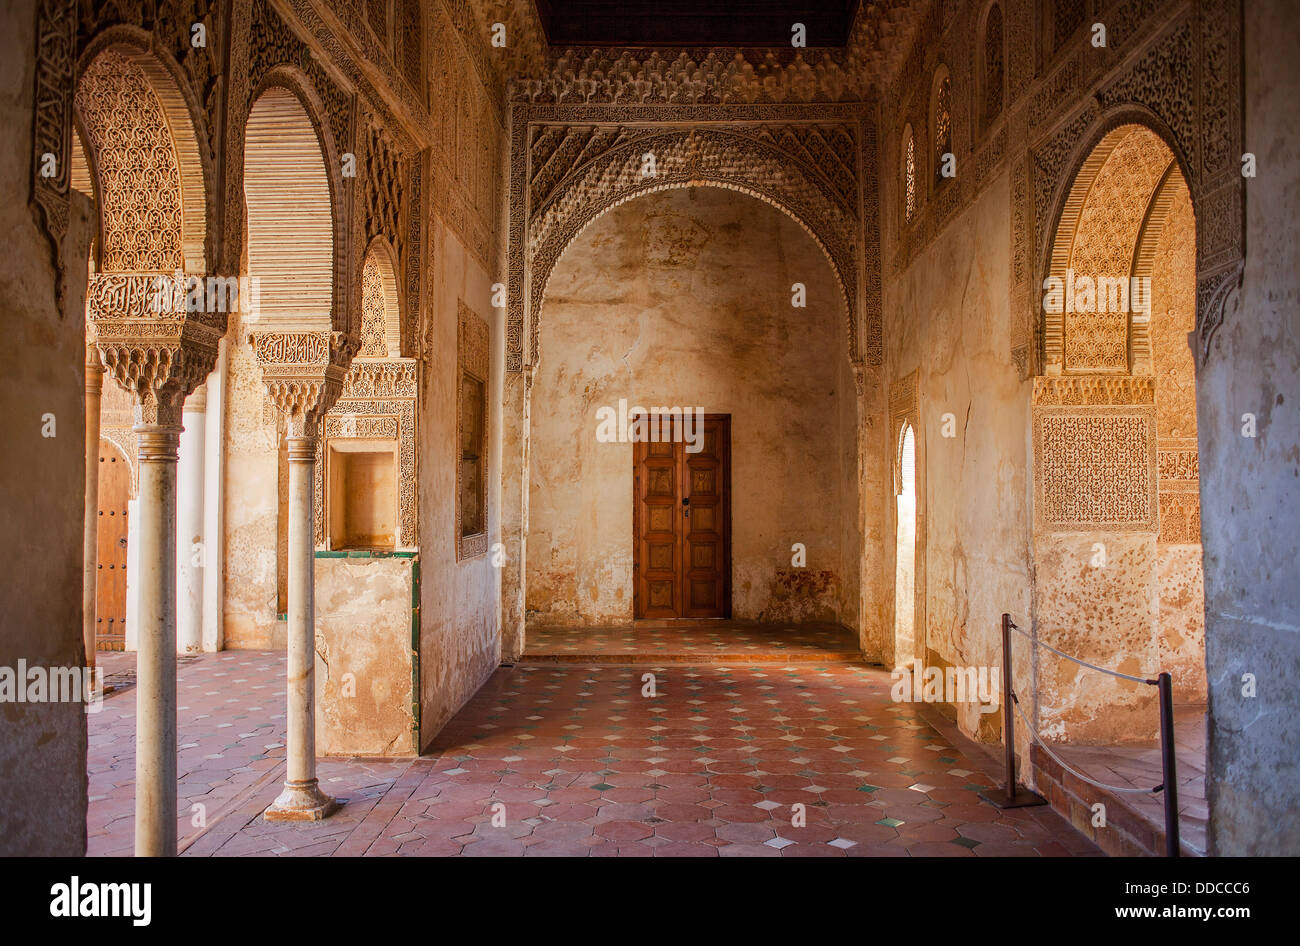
(1013, 795)
(1168, 764)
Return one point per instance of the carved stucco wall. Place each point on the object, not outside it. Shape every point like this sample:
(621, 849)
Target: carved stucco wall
(1174, 70)
(378, 402)
(137, 171)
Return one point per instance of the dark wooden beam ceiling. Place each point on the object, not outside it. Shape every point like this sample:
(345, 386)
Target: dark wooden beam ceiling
(762, 23)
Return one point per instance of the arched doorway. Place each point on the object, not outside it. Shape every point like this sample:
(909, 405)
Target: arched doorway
(1116, 510)
(702, 299)
(905, 637)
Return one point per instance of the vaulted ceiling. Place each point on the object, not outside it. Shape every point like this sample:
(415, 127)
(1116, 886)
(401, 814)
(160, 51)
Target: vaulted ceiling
(695, 22)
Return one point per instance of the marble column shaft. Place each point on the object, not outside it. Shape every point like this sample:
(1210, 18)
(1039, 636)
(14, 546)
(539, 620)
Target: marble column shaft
(155, 698)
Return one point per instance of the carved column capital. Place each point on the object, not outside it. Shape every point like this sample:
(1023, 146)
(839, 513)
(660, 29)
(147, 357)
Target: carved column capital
(157, 351)
(303, 373)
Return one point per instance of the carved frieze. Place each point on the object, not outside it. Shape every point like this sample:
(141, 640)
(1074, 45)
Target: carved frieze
(52, 133)
(1093, 390)
(381, 379)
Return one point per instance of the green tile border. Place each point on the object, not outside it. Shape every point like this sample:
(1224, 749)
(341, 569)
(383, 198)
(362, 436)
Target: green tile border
(366, 553)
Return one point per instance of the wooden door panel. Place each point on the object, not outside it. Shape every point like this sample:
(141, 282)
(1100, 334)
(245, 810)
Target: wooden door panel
(681, 523)
(708, 562)
(657, 557)
(110, 573)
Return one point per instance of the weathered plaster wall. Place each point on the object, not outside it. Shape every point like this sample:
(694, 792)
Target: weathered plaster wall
(947, 316)
(460, 642)
(251, 500)
(1250, 487)
(42, 480)
(365, 609)
(1106, 614)
(684, 298)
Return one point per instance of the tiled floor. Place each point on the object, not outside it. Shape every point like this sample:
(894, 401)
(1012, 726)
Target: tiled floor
(231, 720)
(648, 642)
(583, 759)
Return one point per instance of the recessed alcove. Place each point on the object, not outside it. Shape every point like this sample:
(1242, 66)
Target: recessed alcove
(361, 499)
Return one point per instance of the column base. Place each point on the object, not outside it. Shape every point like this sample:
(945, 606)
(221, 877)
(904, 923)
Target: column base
(301, 801)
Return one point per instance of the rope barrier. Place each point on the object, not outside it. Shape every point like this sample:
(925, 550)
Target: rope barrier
(1034, 736)
(1017, 796)
(1113, 673)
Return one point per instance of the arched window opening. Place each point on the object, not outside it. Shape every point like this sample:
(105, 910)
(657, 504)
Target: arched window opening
(942, 122)
(909, 175)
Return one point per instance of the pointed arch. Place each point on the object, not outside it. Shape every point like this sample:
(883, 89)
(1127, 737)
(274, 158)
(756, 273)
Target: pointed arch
(1098, 231)
(139, 133)
(291, 231)
(381, 322)
(907, 170)
(941, 125)
(687, 157)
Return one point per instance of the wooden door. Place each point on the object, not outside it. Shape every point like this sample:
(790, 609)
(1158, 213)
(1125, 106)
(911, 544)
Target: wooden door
(110, 584)
(682, 523)
(707, 514)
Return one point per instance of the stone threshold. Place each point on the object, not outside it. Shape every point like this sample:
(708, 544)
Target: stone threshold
(1130, 830)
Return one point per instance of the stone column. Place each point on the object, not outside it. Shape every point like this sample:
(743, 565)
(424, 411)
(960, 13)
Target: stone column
(191, 551)
(303, 373)
(159, 356)
(302, 799)
(155, 723)
(90, 561)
